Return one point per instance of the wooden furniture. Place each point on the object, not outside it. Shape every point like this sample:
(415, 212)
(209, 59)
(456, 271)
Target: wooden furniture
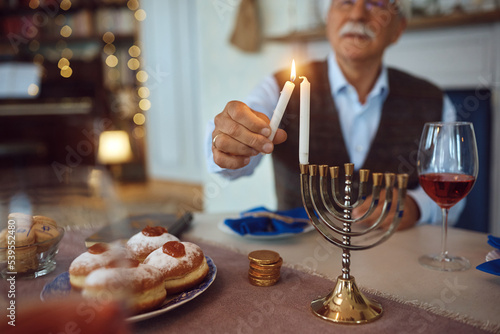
(88, 84)
(459, 19)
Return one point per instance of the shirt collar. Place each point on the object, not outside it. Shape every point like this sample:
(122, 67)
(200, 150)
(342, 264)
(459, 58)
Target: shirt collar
(338, 82)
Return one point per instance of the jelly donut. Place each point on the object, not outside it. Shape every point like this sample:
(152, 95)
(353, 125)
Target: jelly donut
(182, 264)
(148, 240)
(139, 286)
(97, 256)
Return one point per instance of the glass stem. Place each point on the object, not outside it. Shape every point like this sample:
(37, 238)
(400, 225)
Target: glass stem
(444, 234)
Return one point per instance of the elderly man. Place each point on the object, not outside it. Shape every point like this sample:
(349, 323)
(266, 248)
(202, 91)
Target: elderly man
(361, 112)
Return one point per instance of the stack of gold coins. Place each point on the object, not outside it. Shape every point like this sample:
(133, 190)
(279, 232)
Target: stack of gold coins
(265, 267)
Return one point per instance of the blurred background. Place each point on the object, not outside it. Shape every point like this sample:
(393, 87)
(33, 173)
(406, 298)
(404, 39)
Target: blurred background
(115, 95)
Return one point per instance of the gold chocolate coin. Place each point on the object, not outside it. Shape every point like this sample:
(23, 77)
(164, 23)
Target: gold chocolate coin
(262, 282)
(264, 268)
(276, 265)
(263, 276)
(264, 256)
(265, 271)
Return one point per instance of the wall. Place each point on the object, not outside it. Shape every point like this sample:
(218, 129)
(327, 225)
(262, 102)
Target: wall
(170, 42)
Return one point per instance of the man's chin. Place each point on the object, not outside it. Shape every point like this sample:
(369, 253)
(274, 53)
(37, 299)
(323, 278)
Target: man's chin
(354, 49)
(359, 41)
(356, 37)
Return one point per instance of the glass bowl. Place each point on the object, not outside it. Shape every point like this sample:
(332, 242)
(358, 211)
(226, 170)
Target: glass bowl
(32, 260)
(75, 199)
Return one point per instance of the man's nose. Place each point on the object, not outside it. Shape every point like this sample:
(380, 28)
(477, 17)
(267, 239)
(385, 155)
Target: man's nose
(359, 11)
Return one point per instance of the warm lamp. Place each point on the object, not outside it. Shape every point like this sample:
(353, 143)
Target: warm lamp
(114, 149)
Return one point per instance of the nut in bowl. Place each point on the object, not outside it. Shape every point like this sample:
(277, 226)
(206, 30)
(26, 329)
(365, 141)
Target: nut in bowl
(29, 250)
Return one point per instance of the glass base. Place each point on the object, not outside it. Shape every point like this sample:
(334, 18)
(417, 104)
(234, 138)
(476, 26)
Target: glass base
(43, 269)
(444, 263)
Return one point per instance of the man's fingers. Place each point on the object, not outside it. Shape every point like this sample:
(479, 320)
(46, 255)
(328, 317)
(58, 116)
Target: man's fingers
(236, 130)
(229, 161)
(242, 132)
(250, 119)
(243, 136)
(280, 137)
(227, 144)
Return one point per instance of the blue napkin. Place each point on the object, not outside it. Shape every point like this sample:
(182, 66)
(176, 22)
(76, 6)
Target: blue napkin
(491, 267)
(494, 241)
(261, 221)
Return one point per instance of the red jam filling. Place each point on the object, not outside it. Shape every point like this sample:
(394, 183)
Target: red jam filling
(98, 248)
(123, 263)
(174, 248)
(154, 231)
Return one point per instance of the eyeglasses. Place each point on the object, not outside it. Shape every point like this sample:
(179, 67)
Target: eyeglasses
(370, 5)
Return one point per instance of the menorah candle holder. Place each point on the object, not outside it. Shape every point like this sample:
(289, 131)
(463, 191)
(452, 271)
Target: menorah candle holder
(346, 303)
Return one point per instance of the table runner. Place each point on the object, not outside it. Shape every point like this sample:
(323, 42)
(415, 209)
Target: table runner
(233, 305)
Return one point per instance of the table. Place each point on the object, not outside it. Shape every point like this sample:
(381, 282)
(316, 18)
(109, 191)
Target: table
(389, 273)
(390, 268)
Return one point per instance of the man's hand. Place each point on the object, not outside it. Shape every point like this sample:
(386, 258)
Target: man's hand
(410, 216)
(241, 133)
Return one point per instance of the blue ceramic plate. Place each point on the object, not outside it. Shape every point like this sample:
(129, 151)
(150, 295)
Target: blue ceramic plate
(61, 287)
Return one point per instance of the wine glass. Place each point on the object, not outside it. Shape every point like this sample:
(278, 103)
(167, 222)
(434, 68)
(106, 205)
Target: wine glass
(447, 167)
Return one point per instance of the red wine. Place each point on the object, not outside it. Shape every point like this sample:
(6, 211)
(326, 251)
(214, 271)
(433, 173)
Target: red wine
(446, 189)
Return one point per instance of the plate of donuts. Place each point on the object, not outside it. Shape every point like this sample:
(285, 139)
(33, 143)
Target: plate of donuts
(60, 287)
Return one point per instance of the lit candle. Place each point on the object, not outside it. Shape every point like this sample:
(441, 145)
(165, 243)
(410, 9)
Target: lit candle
(285, 95)
(305, 98)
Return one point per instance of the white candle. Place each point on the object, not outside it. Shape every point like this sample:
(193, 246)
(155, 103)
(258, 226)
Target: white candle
(285, 95)
(305, 98)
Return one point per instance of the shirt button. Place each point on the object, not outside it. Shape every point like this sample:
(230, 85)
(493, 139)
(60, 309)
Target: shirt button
(359, 148)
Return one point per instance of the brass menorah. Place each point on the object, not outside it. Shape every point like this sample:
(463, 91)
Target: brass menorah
(346, 303)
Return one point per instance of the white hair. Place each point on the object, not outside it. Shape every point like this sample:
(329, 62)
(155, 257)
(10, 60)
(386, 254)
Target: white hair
(404, 7)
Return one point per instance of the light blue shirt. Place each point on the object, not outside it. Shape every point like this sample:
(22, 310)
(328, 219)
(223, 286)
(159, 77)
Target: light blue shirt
(359, 123)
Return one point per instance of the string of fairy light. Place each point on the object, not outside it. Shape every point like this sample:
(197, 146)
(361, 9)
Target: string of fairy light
(111, 60)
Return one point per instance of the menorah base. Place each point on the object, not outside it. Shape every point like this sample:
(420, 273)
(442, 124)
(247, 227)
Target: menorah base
(346, 304)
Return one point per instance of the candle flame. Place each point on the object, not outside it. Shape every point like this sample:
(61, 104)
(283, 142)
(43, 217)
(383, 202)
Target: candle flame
(292, 73)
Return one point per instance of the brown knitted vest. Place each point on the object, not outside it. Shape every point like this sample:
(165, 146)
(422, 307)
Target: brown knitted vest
(410, 103)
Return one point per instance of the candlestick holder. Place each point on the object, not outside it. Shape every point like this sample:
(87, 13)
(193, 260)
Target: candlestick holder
(345, 303)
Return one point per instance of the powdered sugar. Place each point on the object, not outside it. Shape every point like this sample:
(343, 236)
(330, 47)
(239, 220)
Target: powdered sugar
(139, 242)
(124, 278)
(92, 261)
(166, 262)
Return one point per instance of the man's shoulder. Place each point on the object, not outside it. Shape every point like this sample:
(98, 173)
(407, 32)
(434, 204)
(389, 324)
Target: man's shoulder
(399, 79)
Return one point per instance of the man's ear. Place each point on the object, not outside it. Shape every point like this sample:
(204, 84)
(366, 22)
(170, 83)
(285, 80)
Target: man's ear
(401, 27)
